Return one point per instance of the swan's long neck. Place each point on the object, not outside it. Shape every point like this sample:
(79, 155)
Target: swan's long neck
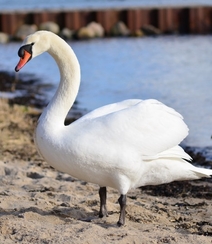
(66, 93)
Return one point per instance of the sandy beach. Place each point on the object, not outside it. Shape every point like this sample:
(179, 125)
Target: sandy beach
(41, 205)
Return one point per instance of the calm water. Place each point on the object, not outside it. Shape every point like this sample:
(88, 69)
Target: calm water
(35, 5)
(174, 70)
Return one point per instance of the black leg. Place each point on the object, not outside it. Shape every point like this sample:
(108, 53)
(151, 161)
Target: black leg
(122, 202)
(103, 198)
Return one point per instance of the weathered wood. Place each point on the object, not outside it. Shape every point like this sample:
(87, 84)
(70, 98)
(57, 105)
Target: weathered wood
(200, 20)
(72, 20)
(107, 19)
(8, 23)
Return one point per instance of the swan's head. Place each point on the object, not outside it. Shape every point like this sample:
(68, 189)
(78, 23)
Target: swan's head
(33, 46)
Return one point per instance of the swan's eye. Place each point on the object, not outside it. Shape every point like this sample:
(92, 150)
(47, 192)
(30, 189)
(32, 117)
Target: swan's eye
(21, 52)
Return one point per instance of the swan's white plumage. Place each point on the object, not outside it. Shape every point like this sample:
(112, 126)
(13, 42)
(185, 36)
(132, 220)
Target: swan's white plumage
(122, 145)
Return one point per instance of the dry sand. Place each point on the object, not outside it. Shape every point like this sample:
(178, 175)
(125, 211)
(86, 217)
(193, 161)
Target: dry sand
(41, 205)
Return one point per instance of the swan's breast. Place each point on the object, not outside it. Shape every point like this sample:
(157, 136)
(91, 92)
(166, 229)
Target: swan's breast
(84, 158)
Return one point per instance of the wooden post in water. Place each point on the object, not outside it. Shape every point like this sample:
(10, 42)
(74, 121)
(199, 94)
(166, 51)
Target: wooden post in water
(72, 20)
(107, 18)
(8, 23)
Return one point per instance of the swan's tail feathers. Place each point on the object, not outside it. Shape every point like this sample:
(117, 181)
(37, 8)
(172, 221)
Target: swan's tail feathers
(199, 172)
(202, 172)
(174, 152)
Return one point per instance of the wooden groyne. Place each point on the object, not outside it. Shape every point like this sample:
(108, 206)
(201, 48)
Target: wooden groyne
(194, 20)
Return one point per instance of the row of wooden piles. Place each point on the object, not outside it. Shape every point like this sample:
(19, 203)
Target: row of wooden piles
(194, 20)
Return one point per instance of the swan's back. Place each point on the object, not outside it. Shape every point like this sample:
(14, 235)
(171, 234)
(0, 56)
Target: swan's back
(110, 108)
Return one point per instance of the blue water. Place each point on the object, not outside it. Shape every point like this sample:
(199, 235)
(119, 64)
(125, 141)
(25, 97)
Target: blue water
(175, 70)
(36, 5)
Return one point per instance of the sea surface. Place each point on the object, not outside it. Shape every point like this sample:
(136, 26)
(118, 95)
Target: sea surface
(177, 70)
(37, 5)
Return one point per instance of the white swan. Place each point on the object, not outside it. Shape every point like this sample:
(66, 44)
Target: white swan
(122, 145)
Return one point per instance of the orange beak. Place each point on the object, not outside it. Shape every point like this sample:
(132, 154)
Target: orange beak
(23, 60)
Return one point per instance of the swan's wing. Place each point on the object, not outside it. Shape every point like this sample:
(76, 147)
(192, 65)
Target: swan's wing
(148, 126)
